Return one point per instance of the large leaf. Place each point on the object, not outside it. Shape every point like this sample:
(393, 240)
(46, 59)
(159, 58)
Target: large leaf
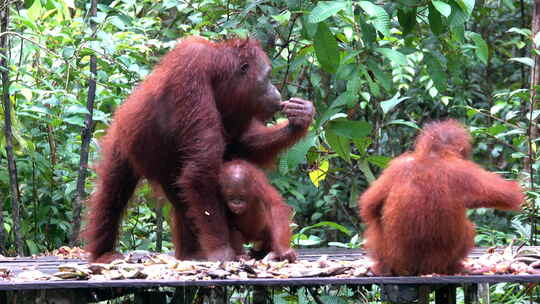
(404, 122)
(435, 20)
(340, 145)
(319, 174)
(381, 20)
(349, 128)
(326, 48)
(297, 153)
(458, 16)
(344, 98)
(35, 11)
(395, 56)
(369, 34)
(442, 7)
(482, 51)
(326, 9)
(379, 160)
(466, 5)
(407, 19)
(384, 78)
(364, 167)
(391, 103)
(436, 71)
(524, 60)
(329, 225)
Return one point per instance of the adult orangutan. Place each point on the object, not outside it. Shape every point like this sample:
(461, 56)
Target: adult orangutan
(415, 211)
(203, 100)
(257, 212)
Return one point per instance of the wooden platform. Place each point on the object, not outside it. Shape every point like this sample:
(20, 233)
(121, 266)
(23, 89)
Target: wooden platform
(50, 265)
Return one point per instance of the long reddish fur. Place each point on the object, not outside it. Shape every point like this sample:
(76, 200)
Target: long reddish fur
(266, 220)
(415, 211)
(174, 130)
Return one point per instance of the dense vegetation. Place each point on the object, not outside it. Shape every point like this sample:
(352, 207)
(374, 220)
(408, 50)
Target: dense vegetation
(376, 71)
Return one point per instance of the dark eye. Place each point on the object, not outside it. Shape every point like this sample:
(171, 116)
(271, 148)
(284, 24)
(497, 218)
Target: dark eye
(244, 68)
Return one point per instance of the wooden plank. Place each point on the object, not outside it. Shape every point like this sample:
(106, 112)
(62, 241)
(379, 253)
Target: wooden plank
(50, 264)
(423, 294)
(307, 254)
(483, 293)
(445, 294)
(150, 297)
(470, 292)
(66, 284)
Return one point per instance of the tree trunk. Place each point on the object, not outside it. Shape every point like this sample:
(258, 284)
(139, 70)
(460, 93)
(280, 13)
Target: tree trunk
(159, 224)
(532, 129)
(12, 168)
(86, 136)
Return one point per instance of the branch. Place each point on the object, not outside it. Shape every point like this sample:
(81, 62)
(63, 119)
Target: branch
(12, 168)
(86, 136)
(7, 33)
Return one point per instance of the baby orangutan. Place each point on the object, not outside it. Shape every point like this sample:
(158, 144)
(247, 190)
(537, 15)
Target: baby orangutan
(415, 211)
(257, 212)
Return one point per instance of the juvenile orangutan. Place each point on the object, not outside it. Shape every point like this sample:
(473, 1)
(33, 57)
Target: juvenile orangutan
(257, 212)
(415, 211)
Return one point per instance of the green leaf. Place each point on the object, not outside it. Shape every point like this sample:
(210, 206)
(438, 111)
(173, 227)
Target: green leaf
(379, 160)
(442, 7)
(394, 56)
(496, 130)
(436, 71)
(326, 48)
(333, 300)
(76, 109)
(381, 20)
(364, 167)
(349, 128)
(297, 153)
(340, 145)
(458, 32)
(404, 122)
(282, 18)
(32, 246)
(373, 87)
(75, 120)
(466, 5)
(329, 225)
(329, 114)
(35, 11)
(369, 34)
(389, 104)
(435, 21)
(344, 98)
(482, 51)
(407, 19)
(68, 52)
(326, 9)
(305, 241)
(522, 31)
(524, 60)
(509, 4)
(458, 16)
(384, 79)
